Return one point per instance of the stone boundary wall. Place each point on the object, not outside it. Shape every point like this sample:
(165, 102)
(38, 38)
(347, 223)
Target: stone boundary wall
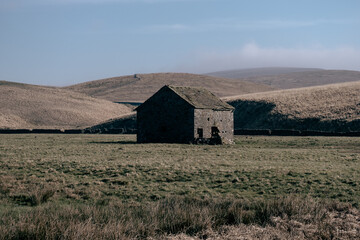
(263, 132)
(68, 131)
(284, 132)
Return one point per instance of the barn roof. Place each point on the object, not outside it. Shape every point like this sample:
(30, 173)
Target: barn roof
(196, 97)
(200, 98)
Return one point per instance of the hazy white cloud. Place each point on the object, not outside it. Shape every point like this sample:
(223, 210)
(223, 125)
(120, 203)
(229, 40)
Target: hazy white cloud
(252, 55)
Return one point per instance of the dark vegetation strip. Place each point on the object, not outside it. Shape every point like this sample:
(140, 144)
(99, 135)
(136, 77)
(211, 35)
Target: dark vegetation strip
(286, 132)
(69, 131)
(173, 215)
(254, 132)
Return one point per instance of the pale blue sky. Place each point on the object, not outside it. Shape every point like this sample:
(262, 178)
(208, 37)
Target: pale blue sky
(62, 42)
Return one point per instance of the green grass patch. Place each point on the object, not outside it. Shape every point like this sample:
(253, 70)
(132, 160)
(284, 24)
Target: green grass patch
(90, 167)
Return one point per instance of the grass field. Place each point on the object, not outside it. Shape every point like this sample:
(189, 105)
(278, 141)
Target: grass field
(45, 177)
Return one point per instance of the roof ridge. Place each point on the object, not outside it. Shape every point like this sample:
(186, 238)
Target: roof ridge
(217, 103)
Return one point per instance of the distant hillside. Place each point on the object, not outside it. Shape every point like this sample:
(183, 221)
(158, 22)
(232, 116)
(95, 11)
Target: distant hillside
(334, 107)
(258, 72)
(295, 78)
(30, 106)
(137, 88)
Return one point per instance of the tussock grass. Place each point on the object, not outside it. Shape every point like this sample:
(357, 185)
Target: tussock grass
(34, 197)
(173, 216)
(109, 187)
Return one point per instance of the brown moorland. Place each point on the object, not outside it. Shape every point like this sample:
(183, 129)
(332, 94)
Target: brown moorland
(139, 87)
(257, 72)
(328, 108)
(284, 79)
(31, 106)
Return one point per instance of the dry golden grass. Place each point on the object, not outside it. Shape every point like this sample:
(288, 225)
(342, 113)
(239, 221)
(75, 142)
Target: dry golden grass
(131, 89)
(329, 102)
(184, 218)
(30, 106)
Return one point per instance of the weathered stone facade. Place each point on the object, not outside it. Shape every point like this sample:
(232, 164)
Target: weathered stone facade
(208, 120)
(184, 115)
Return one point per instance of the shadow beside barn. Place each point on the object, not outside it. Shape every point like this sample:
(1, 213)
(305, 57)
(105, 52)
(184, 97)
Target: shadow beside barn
(258, 115)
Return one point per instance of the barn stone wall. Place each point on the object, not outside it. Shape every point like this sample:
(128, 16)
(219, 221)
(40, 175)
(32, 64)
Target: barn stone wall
(165, 117)
(205, 119)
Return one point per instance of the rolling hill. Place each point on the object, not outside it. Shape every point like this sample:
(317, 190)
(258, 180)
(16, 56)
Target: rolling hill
(137, 88)
(294, 79)
(334, 107)
(258, 72)
(31, 106)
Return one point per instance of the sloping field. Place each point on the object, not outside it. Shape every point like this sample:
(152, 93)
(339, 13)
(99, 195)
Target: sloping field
(305, 78)
(30, 106)
(140, 87)
(334, 107)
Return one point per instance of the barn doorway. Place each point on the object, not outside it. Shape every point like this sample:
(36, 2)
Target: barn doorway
(215, 137)
(214, 132)
(200, 133)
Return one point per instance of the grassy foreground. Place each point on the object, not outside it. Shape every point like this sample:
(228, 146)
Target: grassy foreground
(107, 186)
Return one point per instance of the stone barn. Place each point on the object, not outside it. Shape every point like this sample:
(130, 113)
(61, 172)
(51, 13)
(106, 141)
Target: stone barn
(185, 115)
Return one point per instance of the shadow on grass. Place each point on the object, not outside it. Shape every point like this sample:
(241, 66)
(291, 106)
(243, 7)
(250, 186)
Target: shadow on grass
(115, 142)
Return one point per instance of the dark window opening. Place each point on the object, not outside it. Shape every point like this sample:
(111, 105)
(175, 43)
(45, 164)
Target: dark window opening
(208, 119)
(163, 129)
(214, 131)
(200, 132)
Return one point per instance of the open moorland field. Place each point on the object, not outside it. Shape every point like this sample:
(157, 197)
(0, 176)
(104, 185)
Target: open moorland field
(109, 187)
